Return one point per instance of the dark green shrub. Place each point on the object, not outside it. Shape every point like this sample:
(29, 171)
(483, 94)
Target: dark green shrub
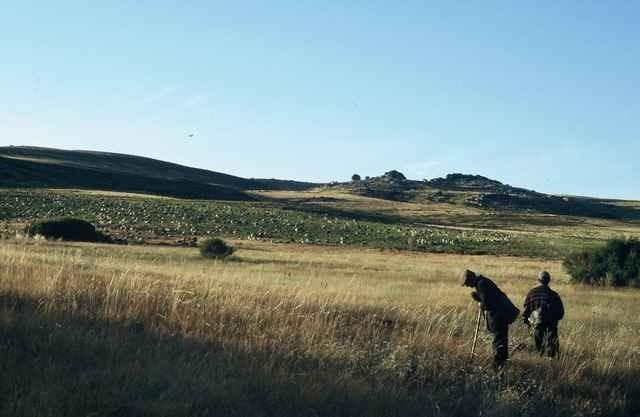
(215, 248)
(615, 264)
(67, 228)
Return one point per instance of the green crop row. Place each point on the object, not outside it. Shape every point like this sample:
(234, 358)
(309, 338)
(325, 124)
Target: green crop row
(140, 219)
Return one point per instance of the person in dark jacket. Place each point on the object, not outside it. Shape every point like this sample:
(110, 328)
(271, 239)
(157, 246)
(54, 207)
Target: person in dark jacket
(543, 310)
(492, 302)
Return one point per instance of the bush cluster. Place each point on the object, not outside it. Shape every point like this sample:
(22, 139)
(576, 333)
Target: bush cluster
(67, 228)
(615, 264)
(215, 248)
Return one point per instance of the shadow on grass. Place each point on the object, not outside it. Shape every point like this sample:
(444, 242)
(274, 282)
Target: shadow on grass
(60, 364)
(344, 214)
(284, 262)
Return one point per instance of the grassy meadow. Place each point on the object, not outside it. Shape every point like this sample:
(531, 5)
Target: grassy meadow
(314, 218)
(293, 330)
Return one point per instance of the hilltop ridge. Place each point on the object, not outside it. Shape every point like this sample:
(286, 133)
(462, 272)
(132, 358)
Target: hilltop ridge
(26, 166)
(482, 192)
(35, 167)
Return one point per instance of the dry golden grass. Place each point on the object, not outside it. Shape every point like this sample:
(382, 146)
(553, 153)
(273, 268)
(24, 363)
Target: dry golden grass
(292, 330)
(461, 217)
(349, 201)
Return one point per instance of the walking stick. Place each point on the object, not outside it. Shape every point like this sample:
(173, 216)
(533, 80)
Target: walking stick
(475, 336)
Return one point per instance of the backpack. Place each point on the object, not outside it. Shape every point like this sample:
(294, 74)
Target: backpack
(541, 315)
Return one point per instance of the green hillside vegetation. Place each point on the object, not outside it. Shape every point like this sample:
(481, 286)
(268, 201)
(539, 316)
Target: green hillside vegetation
(139, 220)
(53, 168)
(456, 214)
(27, 174)
(24, 166)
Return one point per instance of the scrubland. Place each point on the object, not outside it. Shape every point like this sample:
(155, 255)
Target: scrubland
(294, 330)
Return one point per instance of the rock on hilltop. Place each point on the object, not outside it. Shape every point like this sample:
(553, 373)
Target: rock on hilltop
(481, 192)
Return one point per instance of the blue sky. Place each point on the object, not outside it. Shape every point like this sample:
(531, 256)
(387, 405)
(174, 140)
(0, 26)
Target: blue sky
(542, 95)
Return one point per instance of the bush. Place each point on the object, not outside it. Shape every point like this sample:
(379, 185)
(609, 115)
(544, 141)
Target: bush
(215, 248)
(615, 264)
(67, 228)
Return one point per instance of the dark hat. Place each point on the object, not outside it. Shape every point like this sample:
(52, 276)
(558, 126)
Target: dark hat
(466, 276)
(544, 277)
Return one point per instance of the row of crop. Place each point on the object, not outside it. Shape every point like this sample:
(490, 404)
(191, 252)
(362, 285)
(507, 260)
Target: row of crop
(137, 220)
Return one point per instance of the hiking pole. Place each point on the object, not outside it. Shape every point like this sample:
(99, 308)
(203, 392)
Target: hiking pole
(475, 336)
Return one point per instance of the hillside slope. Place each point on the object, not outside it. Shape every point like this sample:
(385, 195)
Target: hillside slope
(137, 166)
(18, 173)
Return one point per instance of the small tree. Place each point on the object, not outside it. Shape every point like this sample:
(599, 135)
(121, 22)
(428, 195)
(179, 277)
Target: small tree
(616, 264)
(355, 177)
(215, 248)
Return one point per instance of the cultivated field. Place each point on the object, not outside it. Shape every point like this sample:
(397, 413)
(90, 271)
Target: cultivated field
(293, 330)
(343, 220)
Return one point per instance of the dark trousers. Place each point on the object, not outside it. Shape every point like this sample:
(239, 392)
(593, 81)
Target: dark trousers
(500, 344)
(546, 338)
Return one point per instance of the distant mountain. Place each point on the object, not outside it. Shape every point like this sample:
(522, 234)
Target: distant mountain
(22, 166)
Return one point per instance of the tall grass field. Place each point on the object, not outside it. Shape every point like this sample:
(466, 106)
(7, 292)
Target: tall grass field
(294, 330)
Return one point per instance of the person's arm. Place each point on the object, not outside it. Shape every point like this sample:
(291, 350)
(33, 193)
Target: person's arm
(527, 309)
(560, 307)
(477, 298)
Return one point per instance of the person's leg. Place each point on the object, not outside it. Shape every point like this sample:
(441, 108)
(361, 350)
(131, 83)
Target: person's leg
(500, 345)
(552, 341)
(538, 337)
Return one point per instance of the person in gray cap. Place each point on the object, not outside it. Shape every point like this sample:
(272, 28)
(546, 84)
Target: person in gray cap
(499, 313)
(543, 310)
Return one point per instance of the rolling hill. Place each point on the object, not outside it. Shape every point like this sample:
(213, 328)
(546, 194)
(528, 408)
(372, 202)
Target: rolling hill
(35, 167)
(19, 173)
(23, 166)
(458, 213)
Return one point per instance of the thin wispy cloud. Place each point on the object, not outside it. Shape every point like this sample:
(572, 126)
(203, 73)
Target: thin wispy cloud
(159, 95)
(195, 101)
